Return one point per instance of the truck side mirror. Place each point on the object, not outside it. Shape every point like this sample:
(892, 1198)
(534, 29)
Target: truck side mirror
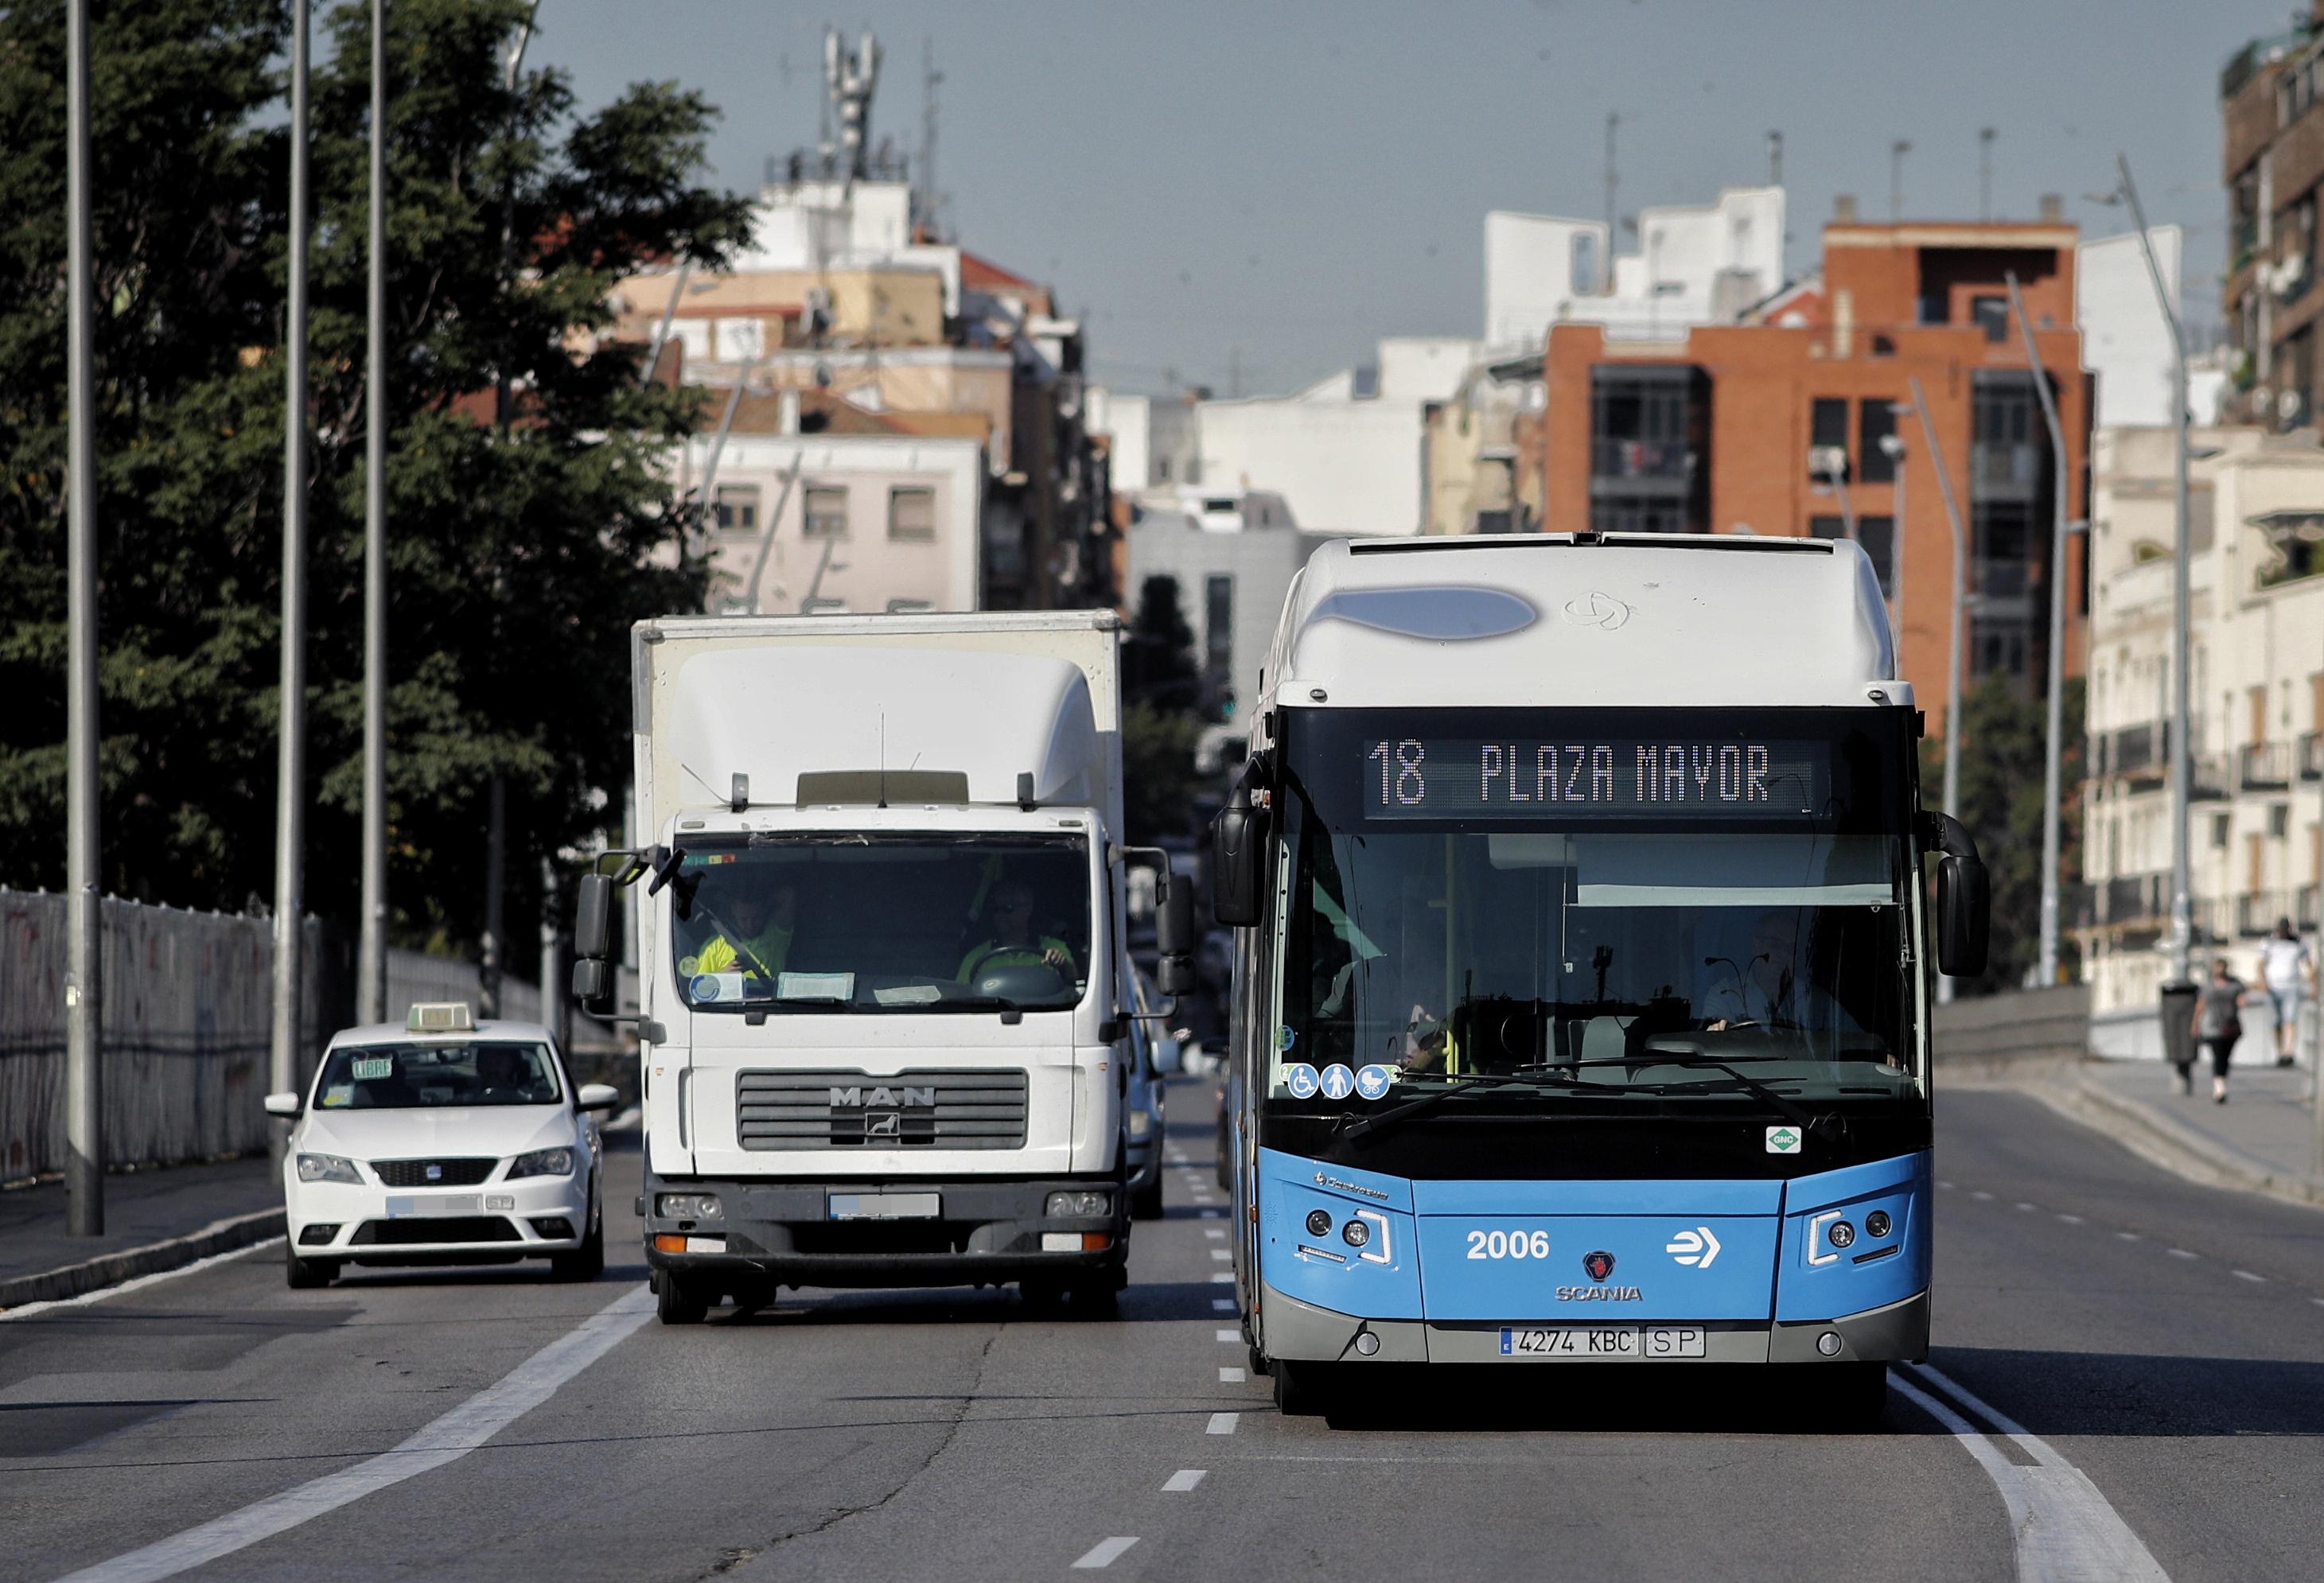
(592, 985)
(1964, 901)
(592, 917)
(1235, 841)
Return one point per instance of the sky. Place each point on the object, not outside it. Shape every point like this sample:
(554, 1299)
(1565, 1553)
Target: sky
(1248, 195)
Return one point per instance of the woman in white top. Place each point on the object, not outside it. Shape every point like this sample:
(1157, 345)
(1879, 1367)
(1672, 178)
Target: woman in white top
(2285, 968)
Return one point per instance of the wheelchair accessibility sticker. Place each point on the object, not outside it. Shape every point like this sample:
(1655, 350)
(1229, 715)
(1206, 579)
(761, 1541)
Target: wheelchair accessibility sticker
(1299, 1080)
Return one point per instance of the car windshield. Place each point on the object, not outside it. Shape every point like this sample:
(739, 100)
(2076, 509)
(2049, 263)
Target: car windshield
(1600, 953)
(879, 923)
(415, 1077)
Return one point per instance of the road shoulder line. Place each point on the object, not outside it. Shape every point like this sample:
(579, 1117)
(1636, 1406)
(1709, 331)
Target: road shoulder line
(111, 1269)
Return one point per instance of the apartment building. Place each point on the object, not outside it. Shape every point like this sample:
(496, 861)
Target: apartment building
(2271, 116)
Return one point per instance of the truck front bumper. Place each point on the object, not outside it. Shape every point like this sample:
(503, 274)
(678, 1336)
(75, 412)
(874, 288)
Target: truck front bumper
(793, 1233)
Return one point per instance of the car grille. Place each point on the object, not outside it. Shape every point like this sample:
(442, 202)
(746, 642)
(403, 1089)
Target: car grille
(442, 1228)
(449, 1173)
(923, 1109)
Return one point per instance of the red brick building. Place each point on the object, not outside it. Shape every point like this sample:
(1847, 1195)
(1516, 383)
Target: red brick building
(1742, 429)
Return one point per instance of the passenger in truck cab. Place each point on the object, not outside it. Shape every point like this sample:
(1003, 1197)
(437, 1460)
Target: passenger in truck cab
(1013, 941)
(759, 940)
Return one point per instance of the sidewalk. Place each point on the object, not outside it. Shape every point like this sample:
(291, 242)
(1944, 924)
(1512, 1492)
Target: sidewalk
(157, 1220)
(2262, 1140)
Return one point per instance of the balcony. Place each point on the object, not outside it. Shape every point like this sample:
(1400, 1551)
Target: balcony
(2208, 774)
(2005, 472)
(2303, 907)
(2003, 579)
(2257, 911)
(2139, 751)
(2134, 898)
(1624, 464)
(2312, 755)
(2263, 766)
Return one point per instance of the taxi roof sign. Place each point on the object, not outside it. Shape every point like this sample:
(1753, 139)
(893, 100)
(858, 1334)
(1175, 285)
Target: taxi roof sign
(439, 1016)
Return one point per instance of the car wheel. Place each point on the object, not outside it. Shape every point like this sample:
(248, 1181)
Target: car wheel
(679, 1303)
(304, 1274)
(585, 1263)
(1146, 1202)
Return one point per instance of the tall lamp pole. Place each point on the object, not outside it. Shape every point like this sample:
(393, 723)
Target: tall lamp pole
(371, 956)
(290, 753)
(2052, 749)
(84, 917)
(1960, 615)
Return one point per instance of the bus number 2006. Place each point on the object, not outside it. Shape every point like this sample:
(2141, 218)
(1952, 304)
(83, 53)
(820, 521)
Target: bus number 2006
(1509, 1245)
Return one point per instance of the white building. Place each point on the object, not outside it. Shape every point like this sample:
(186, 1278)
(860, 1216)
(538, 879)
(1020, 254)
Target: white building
(1127, 422)
(2256, 677)
(1694, 265)
(1344, 453)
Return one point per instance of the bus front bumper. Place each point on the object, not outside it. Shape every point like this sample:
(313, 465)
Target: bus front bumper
(1897, 1333)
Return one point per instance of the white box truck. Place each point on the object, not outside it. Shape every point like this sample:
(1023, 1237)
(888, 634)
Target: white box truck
(884, 991)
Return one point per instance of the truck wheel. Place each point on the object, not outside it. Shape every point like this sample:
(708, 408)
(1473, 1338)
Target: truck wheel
(585, 1263)
(1099, 1299)
(1299, 1389)
(1146, 1202)
(304, 1274)
(679, 1303)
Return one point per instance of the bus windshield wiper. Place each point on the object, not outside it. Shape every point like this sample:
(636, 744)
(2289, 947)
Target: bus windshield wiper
(1466, 1082)
(1788, 1109)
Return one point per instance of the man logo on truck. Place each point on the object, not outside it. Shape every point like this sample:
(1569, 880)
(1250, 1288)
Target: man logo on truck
(900, 1098)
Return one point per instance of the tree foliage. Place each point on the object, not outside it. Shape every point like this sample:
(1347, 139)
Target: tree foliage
(2004, 734)
(517, 558)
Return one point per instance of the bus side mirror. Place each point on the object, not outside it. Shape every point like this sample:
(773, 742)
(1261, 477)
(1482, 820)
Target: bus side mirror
(1236, 837)
(1964, 901)
(1175, 938)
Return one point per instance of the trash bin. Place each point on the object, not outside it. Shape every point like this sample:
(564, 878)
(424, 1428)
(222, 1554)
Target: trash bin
(2179, 999)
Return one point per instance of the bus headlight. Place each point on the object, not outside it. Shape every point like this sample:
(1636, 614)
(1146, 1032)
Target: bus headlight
(1355, 1233)
(1319, 1223)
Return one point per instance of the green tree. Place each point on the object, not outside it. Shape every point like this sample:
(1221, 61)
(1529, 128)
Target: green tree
(2002, 748)
(517, 560)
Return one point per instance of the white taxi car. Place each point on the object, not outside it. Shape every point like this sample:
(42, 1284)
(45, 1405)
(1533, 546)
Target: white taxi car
(445, 1141)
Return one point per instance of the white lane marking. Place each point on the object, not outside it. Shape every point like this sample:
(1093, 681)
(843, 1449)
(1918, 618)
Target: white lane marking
(1223, 1424)
(1221, 1277)
(1231, 1376)
(1217, 1231)
(2071, 1219)
(1213, 1214)
(26, 1310)
(2181, 1253)
(447, 1440)
(2064, 1530)
(1222, 1253)
(1222, 1305)
(1981, 1196)
(1185, 1480)
(1946, 1186)
(2023, 1205)
(2127, 1236)
(1105, 1554)
(2318, 1301)
(1233, 1335)
(2247, 1275)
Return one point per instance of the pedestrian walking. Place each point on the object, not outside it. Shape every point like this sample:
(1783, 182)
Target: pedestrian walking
(2287, 971)
(2218, 1024)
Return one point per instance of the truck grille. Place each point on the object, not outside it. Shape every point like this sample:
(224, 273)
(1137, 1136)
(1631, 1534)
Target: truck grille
(947, 1109)
(448, 1172)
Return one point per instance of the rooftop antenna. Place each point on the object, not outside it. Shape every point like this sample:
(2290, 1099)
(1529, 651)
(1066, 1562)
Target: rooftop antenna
(1896, 152)
(931, 200)
(1985, 136)
(1775, 159)
(1613, 120)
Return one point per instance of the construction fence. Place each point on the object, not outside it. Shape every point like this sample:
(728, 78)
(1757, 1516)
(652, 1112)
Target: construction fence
(184, 1025)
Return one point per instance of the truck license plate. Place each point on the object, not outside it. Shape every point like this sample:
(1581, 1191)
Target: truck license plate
(1602, 1343)
(883, 1206)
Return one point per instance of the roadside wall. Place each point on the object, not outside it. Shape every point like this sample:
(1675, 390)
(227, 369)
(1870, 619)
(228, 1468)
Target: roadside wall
(185, 1026)
(2000, 1035)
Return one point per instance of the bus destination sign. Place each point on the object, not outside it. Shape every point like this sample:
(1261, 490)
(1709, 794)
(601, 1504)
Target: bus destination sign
(1435, 778)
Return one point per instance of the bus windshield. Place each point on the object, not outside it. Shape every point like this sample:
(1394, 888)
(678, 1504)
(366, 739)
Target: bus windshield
(1605, 947)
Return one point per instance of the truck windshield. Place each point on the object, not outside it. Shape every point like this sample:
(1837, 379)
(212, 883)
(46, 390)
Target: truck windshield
(1610, 948)
(907, 922)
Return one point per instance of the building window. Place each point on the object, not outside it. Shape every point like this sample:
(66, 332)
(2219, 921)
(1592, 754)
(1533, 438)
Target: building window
(912, 514)
(1834, 527)
(2219, 831)
(826, 512)
(1991, 315)
(738, 507)
(2279, 819)
(1827, 435)
(1874, 423)
(1161, 469)
(1877, 535)
(1999, 646)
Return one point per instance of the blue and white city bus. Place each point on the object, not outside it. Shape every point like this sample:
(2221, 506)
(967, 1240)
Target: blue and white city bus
(1584, 971)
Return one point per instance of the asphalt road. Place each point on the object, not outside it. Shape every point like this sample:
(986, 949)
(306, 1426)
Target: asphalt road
(2160, 1345)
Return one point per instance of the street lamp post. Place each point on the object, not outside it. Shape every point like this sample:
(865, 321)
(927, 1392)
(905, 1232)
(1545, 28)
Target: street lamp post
(291, 747)
(1960, 616)
(2046, 968)
(371, 955)
(1891, 446)
(84, 915)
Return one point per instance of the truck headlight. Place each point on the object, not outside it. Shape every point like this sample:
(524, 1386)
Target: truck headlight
(328, 1168)
(542, 1163)
(1066, 1205)
(687, 1206)
(1142, 1124)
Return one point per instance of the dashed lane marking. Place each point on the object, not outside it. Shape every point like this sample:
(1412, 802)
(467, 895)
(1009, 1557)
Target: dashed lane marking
(1222, 1276)
(1222, 1253)
(2028, 1207)
(1185, 1480)
(1981, 1196)
(1231, 1376)
(2061, 1526)
(1215, 1231)
(1223, 1424)
(2247, 1275)
(2128, 1235)
(1946, 1186)
(1226, 1334)
(2183, 1253)
(447, 1440)
(1105, 1554)
(2071, 1219)
(1223, 1304)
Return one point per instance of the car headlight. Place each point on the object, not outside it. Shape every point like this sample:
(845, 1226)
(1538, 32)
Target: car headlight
(1063, 1205)
(1142, 1124)
(688, 1205)
(542, 1163)
(328, 1168)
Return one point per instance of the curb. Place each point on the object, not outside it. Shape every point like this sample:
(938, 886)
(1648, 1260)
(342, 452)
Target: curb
(113, 1268)
(2181, 1150)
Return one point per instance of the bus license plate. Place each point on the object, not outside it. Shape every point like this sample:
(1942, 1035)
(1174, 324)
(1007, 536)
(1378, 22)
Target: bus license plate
(1602, 1343)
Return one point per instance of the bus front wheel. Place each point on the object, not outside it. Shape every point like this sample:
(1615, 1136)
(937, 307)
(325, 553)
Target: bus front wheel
(1300, 1388)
